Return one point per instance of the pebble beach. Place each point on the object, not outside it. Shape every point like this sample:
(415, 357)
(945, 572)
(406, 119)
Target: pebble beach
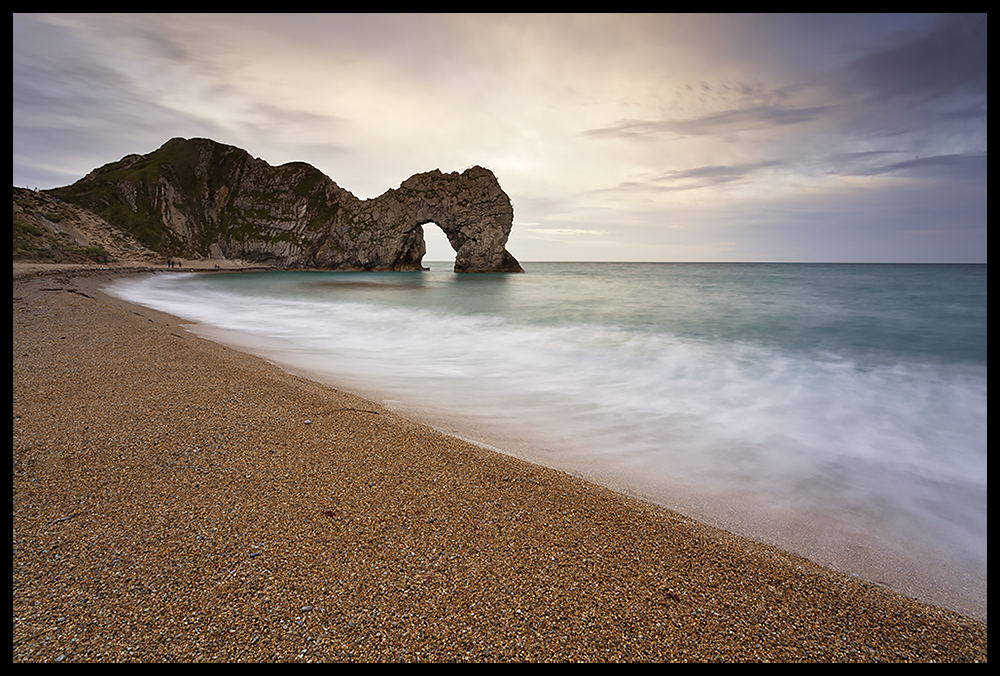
(176, 500)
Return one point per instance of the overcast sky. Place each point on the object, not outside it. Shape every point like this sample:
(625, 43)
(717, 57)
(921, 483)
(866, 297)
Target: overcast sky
(618, 137)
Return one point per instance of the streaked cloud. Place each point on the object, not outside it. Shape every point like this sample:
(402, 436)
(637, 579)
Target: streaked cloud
(633, 135)
(723, 123)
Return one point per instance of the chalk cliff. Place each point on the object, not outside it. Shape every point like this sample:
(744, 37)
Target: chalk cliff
(199, 198)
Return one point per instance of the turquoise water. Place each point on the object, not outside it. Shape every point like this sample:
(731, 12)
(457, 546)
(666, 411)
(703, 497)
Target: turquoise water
(836, 410)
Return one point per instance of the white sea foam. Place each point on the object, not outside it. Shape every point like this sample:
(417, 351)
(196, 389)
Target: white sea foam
(886, 454)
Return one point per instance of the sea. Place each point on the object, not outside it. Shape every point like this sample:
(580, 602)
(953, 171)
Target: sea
(837, 411)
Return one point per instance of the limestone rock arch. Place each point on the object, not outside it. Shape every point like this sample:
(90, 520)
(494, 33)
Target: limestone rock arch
(200, 198)
(471, 209)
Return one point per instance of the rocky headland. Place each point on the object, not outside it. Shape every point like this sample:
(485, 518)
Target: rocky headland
(196, 198)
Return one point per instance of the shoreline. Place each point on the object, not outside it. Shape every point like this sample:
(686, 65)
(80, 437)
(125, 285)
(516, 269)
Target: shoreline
(175, 499)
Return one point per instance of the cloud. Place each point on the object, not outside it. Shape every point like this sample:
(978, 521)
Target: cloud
(922, 86)
(940, 166)
(947, 60)
(590, 121)
(705, 177)
(722, 123)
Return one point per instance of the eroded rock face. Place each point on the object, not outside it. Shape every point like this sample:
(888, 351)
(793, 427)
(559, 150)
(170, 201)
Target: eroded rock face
(471, 209)
(202, 198)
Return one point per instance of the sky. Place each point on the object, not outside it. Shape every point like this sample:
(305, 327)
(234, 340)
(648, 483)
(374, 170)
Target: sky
(619, 137)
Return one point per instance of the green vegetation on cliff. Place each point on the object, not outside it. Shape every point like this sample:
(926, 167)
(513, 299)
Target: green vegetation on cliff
(190, 194)
(44, 230)
(196, 198)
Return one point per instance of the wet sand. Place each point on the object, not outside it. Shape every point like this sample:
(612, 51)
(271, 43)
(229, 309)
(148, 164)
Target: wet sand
(178, 500)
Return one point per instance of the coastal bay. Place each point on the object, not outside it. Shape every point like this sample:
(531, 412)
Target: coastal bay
(178, 500)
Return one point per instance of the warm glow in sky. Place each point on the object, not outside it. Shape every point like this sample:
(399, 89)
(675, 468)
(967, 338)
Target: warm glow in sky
(617, 137)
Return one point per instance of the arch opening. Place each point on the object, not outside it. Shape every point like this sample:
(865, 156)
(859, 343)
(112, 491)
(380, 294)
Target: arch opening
(439, 253)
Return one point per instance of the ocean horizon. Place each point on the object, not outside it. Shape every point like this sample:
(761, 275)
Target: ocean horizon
(837, 410)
